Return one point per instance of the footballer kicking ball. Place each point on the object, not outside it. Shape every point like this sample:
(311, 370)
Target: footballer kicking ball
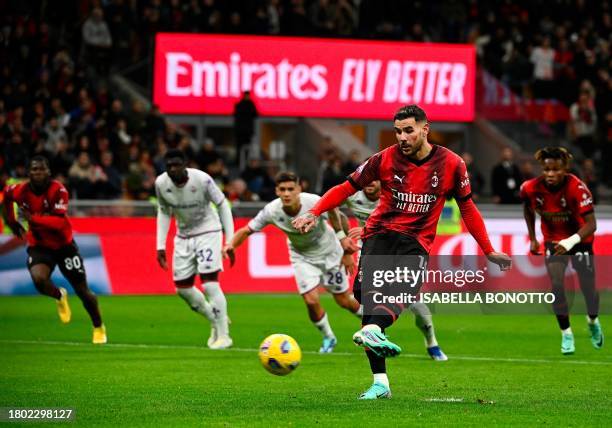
(280, 354)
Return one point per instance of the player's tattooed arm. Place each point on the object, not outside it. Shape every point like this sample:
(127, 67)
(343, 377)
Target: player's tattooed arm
(529, 215)
(588, 229)
(340, 224)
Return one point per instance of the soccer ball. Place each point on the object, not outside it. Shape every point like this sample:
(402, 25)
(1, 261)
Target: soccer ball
(280, 354)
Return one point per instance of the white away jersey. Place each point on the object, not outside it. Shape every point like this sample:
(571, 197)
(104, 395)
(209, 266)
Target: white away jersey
(320, 241)
(361, 206)
(190, 204)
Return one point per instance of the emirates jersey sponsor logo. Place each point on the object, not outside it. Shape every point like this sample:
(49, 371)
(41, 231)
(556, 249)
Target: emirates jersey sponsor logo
(413, 202)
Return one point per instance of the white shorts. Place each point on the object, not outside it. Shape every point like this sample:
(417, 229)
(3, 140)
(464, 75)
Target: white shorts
(200, 254)
(326, 272)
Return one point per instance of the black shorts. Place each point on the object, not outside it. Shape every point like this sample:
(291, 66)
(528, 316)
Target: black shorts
(581, 256)
(67, 258)
(395, 247)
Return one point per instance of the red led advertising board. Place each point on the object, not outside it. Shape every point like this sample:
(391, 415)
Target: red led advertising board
(206, 74)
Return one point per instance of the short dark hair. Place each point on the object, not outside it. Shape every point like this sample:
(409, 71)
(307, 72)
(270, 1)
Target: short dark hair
(39, 158)
(283, 176)
(551, 152)
(411, 110)
(175, 153)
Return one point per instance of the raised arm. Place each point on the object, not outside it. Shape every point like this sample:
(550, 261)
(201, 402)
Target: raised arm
(333, 198)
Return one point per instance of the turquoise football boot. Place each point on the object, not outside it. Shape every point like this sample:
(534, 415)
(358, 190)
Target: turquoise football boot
(567, 344)
(376, 391)
(372, 338)
(597, 337)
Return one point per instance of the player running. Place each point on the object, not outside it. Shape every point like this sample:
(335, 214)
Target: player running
(187, 194)
(362, 204)
(43, 204)
(316, 256)
(415, 177)
(565, 206)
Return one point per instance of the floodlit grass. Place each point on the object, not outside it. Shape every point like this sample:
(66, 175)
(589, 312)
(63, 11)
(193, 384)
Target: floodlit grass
(156, 370)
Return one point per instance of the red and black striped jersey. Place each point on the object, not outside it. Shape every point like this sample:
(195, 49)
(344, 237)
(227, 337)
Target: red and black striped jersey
(561, 209)
(412, 192)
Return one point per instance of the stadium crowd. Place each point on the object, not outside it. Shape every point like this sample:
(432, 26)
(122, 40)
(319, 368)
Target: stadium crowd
(55, 98)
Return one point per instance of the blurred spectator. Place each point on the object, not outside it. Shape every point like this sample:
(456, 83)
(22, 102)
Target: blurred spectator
(237, 191)
(583, 125)
(506, 179)
(543, 57)
(245, 114)
(158, 160)
(140, 180)
(186, 146)
(16, 152)
(256, 177)
(54, 132)
(589, 176)
(109, 184)
(62, 160)
(218, 171)
(155, 124)
(477, 181)
(207, 154)
(97, 39)
(332, 174)
(322, 15)
(305, 185)
(527, 170)
(352, 163)
(82, 177)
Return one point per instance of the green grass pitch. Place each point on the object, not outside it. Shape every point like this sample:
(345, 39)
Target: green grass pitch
(156, 371)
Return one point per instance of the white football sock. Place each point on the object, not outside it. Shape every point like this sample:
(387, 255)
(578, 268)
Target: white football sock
(195, 299)
(219, 306)
(592, 321)
(423, 320)
(324, 327)
(359, 313)
(381, 378)
(372, 327)
(567, 331)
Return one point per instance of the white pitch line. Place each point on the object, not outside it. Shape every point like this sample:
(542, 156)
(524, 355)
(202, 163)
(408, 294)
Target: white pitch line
(444, 400)
(351, 354)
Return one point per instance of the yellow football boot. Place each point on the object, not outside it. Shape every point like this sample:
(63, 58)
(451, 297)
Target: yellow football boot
(99, 335)
(63, 308)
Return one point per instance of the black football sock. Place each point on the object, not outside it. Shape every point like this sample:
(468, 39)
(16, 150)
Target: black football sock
(90, 303)
(377, 364)
(564, 321)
